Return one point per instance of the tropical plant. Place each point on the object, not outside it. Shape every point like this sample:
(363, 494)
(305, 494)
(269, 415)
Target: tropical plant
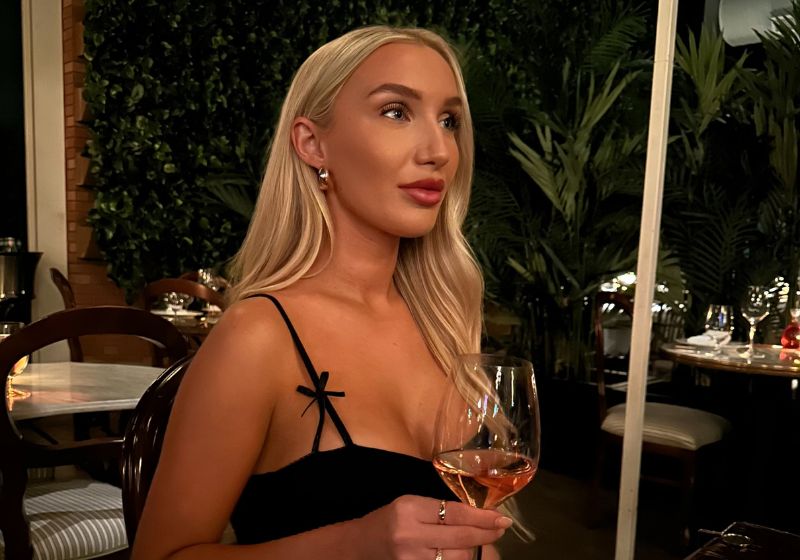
(717, 178)
(775, 92)
(548, 240)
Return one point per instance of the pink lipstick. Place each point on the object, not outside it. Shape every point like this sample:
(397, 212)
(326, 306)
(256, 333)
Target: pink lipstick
(426, 192)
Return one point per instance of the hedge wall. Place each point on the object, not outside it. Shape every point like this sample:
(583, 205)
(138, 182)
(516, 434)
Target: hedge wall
(182, 93)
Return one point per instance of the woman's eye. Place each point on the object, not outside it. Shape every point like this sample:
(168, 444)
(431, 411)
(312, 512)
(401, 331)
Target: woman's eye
(450, 122)
(395, 111)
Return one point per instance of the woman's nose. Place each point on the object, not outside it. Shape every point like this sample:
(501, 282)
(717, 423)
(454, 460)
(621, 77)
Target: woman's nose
(434, 145)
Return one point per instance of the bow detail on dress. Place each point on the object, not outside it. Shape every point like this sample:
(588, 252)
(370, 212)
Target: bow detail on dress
(320, 396)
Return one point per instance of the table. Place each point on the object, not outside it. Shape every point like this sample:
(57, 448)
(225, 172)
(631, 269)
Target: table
(73, 387)
(777, 362)
(761, 401)
(760, 543)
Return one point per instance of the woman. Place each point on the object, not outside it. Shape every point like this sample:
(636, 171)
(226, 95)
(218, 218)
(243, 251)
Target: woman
(354, 264)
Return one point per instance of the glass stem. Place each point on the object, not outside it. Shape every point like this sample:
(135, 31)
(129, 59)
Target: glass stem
(752, 337)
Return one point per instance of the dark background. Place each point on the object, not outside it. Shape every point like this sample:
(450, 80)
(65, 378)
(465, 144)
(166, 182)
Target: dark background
(13, 220)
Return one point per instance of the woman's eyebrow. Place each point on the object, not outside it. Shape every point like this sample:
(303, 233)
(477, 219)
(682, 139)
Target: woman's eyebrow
(406, 91)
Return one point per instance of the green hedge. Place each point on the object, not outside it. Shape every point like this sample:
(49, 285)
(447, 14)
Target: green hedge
(183, 94)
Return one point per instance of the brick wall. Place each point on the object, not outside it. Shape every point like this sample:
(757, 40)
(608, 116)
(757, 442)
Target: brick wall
(86, 269)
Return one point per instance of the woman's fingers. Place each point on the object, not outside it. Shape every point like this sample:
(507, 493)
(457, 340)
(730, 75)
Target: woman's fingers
(457, 536)
(456, 513)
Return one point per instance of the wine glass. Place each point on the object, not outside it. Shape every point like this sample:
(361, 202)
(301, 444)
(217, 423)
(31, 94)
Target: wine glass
(719, 324)
(754, 308)
(7, 328)
(487, 434)
(178, 301)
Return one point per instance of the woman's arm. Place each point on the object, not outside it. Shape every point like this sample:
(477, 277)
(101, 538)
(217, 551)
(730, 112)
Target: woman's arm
(215, 436)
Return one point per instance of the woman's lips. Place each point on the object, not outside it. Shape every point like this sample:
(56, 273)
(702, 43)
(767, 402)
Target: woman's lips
(427, 192)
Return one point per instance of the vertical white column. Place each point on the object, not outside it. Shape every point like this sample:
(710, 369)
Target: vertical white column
(43, 85)
(645, 277)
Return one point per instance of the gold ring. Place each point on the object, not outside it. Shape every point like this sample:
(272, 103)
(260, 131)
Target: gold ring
(442, 513)
(439, 555)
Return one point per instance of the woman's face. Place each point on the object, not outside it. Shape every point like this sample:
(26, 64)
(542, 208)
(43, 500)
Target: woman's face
(391, 145)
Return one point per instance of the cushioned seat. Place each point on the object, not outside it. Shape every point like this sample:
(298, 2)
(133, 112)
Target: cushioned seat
(73, 519)
(668, 424)
(673, 434)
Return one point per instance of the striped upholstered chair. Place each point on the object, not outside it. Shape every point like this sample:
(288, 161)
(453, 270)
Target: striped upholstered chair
(78, 517)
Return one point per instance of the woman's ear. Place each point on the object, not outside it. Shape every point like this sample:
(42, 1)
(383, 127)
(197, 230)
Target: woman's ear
(306, 142)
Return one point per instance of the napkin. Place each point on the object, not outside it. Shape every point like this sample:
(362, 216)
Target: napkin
(709, 338)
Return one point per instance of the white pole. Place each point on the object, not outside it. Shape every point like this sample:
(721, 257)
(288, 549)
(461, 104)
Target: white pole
(645, 277)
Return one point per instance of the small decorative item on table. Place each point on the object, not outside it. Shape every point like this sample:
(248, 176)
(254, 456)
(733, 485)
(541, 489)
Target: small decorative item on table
(790, 338)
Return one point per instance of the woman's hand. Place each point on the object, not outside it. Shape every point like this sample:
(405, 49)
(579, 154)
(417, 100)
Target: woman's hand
(410, 528)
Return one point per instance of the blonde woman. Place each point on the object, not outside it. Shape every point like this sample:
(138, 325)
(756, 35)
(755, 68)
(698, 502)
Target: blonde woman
(306, 417)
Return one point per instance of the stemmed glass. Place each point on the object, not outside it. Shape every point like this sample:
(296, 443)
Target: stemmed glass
(754, 308)
(487, 433)
(719, 324)
(178, 301)
(7, 328)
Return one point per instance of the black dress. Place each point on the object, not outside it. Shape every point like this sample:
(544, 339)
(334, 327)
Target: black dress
(326, 487)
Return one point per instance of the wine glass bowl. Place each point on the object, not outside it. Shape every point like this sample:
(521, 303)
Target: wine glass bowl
(755, 306)
(487, 434)
(719, 324)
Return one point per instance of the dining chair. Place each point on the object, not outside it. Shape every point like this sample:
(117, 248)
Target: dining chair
(672, 433)
(68, 296)
(78, 517)
(141, 447)
(158, 288)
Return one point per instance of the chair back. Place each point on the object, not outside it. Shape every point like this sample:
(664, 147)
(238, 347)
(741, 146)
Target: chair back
(603, 302)
(141, 447)
(183, 286)
(20, 454)
(68, 296)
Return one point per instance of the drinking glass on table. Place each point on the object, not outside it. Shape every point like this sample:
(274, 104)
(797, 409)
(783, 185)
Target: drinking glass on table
(719, 324)
(754, 308)
(177, 302)
(487, 433)
(7, 328)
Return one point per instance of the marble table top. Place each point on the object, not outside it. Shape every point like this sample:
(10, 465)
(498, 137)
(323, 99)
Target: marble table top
(71, 387)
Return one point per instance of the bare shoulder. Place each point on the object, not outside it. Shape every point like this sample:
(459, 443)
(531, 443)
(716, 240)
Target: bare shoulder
(248, 347)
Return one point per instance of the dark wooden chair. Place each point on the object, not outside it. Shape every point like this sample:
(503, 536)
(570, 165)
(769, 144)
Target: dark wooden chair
(144, 437)
(68, 296)
(671, 433)
(154, 290)
(76, 518)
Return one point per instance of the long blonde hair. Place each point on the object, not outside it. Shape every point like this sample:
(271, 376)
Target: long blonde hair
(436, 274)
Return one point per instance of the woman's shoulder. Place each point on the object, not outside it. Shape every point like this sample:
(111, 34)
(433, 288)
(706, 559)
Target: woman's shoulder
(252, 335)
(253, 320)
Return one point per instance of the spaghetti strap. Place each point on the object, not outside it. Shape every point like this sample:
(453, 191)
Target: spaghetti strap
(318, 394)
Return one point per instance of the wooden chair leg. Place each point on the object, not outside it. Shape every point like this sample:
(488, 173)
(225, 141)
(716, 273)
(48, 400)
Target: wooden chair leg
(687, 498)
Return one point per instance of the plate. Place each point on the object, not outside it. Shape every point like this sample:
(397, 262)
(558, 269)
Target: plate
(181, 313)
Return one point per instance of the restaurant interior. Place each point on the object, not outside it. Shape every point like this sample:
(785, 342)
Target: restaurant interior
(134, 137)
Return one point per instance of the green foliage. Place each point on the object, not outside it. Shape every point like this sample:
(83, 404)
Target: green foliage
(548, 237)
(183, 97)
(708, 217)
(775, 92)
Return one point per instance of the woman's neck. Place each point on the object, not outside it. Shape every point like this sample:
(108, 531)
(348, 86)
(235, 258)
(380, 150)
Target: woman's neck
(360, 268)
